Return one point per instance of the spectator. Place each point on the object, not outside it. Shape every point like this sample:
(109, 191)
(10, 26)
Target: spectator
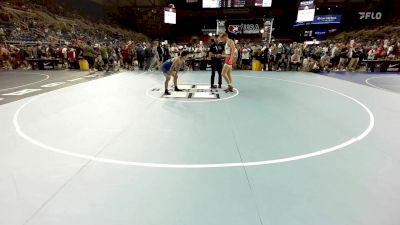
(160, 51)
(104, 55)
(372, 53)
(154, 60)
(272, 57)
(174, 50)
(72, 58)
(325, 62)
(4, 58)
(282, 62)
(245, 64)
(89, 55)
(391, 52)
(313, 65)
(344, 56)
(140, 56)
(166, 55)
(148, 56)
(355, 56)
(262, 56)
(126, 57)
(295, 60)
(335, 55)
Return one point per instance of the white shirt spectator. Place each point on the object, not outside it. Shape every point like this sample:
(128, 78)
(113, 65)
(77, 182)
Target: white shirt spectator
(174, 51)
(333, 51)
(351, 52)
(295, 58)
(371, 54)
(245, 53)
(325, 49)
(390, 50)
(198, 52)
(325, 58)
(64, 52)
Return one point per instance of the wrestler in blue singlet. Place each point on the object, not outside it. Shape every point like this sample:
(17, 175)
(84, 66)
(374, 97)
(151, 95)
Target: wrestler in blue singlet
(167, 66)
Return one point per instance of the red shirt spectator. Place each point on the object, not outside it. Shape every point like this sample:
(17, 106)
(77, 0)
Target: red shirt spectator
(71, 54)
(379, 52)
(125, 53)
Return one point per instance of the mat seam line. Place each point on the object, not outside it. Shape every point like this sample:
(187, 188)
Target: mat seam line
(243, 167)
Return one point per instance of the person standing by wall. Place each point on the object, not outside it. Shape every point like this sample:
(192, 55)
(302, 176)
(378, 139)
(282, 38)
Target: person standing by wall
(140, 56)
(355, 55)
(155, 59)
(104, 55)
(245, 64)
(166, 55)
(295, 60)
(174, 50)
(148, 56)
(89, 54)
(4, 58)
(344, 56)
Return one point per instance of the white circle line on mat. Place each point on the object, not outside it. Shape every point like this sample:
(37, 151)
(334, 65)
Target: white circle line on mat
(205, 166)
(367, 81)
(47, 77)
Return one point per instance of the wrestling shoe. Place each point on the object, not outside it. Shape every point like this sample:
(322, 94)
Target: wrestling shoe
(177, 89)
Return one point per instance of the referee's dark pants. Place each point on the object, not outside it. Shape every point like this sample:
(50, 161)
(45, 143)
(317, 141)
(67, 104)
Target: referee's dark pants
(216, 65)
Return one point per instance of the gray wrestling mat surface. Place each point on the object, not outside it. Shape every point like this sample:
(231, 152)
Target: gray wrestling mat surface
(283, 149)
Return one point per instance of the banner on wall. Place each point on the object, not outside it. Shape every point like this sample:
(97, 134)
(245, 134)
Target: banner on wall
(320, 33)
(243, 28)
(323, 19)
(327, 19)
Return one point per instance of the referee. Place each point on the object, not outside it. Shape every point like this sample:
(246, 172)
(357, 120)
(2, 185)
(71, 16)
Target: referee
(216, 65)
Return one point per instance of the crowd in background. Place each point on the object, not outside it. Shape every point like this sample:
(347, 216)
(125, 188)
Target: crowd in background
(24, 37)
(100, 56)
(327, 56)
(31, 31)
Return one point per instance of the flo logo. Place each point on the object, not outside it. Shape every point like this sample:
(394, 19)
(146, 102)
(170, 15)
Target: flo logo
(235, 29)
(370, 15)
